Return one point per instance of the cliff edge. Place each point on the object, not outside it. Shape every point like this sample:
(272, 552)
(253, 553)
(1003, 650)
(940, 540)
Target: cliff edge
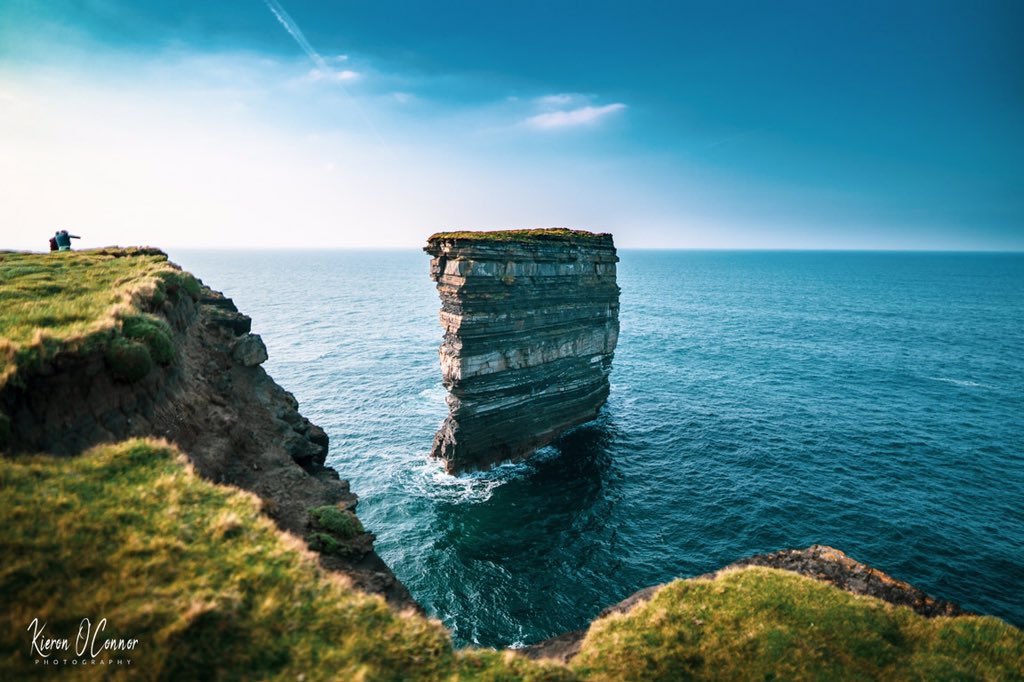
(817, 562)
(135, 347)
(531, 319)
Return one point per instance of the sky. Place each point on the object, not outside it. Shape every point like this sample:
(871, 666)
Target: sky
(374, 123)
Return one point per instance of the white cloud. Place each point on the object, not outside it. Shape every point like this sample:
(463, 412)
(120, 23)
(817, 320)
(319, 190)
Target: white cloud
(330, 75)
(582, 116)
(559, 100)
(403, 97)
(167, 160)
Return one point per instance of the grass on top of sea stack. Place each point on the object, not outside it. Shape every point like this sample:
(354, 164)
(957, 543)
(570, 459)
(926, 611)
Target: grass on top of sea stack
(763, 623)
(547, 234)
(73, 301)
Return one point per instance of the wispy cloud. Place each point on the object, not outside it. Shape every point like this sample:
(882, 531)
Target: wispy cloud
(322, 70)
(559, 100)
(293, 29)
(330, 75)
(572, 118)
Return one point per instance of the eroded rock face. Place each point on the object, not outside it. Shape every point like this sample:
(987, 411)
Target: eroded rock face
(249, 350)
(530, 319)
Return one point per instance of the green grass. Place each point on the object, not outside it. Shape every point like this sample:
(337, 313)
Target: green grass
(211, 588)
(207, 584)
(128, 360)
(535, 235)
(763, 623)
(76, 302)
(152, 331)
(334, 529)
(340, 522)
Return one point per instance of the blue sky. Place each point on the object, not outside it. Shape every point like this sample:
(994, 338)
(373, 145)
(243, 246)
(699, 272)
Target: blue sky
(358, 124)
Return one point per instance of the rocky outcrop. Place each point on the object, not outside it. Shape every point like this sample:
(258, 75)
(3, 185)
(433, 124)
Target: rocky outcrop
(819, 562)
(531, 319)
(218, 405)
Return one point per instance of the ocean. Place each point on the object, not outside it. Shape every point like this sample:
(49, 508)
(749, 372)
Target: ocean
(872, 401)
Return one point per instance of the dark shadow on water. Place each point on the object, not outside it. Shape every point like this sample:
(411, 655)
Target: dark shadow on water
(555, 497)
(583, 455)
(526, 556)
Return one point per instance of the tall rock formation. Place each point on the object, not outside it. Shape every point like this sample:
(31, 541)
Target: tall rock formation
(531, 319)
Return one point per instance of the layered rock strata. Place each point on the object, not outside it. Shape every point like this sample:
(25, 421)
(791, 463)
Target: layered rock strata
(531, 319)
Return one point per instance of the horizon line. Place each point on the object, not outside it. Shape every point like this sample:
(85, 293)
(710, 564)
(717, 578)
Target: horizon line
(738, 249)
(619, 248)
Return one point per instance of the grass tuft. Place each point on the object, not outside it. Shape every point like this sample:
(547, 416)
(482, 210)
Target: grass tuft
(128, 360)
(152, 331)
(340, 522)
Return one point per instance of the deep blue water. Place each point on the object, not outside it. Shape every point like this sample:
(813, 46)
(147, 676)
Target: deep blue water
(760, 401)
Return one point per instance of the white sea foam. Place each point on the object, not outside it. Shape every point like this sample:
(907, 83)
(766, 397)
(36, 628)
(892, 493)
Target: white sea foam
(434, 393)
(432, 481)
(958, 382)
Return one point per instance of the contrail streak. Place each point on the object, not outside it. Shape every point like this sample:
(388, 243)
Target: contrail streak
(321, 64)
(295, 32)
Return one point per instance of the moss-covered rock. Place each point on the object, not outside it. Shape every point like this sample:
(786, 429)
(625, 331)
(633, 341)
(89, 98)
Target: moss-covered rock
(152, 331)
(340, 522)
(128, 360)
(336, 531)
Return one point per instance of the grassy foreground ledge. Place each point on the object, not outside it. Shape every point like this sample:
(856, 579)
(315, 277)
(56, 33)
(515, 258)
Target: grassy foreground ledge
(763, 623)
(211, 589)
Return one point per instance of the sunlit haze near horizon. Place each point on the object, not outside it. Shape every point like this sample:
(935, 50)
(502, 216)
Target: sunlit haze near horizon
(279, 123)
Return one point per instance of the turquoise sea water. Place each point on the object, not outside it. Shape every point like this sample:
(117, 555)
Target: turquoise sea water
(760, 401)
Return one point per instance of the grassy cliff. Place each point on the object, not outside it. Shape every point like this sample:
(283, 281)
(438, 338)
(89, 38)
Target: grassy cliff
(195, 573)
(208, 586)
(84, 301)
(211, 588)
(765, 623)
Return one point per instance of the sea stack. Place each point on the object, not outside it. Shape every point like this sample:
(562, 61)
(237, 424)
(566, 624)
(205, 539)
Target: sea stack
(531, 319)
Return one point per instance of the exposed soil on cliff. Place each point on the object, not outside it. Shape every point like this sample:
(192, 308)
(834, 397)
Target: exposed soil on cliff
(220, 407)
(820, 562)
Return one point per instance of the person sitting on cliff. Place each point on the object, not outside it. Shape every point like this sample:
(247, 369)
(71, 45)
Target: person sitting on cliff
(63, 240)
